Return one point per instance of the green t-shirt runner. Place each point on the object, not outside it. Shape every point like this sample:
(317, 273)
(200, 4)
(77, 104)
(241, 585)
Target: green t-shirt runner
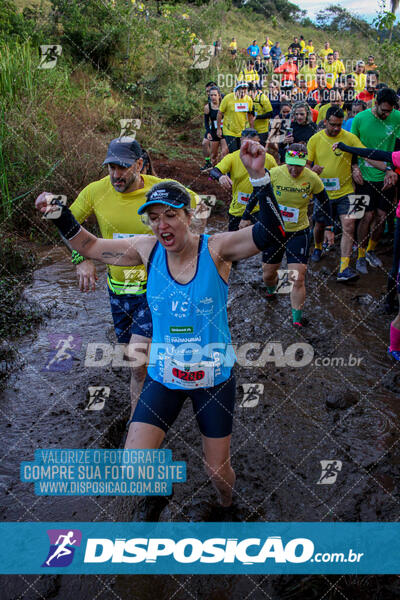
(376, 133)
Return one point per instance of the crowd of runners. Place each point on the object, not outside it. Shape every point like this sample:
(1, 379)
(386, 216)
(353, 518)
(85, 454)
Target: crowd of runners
(309, 157)
(304, 105)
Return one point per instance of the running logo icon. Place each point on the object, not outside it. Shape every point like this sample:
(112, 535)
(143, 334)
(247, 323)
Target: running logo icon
(49, 55)
(97, 397)
(252, 393)
(357, 205)
(64, 347)
(129, 127)
(286, 279)
(204, 203)
(330, 470)
(53, 200)
(63, 543)
(202, 56)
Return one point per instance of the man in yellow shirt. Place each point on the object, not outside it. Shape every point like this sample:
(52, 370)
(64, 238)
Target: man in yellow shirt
(236, 109)
(262, 112)
(294, 186)
(339, 66)
(232, 175)
(337, 170)
(325, 51)
(309, 49)
(360, 76)
(233, 47)
(309, 70)
(330, 69)
(249, 75)
(114, 200)
(335, 99)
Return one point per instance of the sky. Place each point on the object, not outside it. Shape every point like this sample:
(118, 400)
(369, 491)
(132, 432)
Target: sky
(363, 8)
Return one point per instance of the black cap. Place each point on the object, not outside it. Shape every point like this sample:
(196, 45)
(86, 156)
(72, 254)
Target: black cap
(249, 132)
(123, 151)
(163, 193)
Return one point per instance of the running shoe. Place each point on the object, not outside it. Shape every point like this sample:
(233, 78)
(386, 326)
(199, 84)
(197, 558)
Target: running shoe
(149, 508)
(394, 354)
(373, 260)
(328, 248)
(206, 167)
(302, 323)
(347, 275)
(316, 255)
(269, 296)
(361, 266)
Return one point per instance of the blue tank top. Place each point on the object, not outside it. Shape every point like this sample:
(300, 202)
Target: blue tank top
(191, 346)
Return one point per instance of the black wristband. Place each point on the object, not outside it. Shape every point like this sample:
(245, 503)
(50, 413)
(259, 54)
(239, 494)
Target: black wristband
(66, 223)
(215, 173)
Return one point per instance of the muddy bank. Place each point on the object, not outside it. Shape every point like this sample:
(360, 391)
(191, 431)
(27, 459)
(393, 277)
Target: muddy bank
(279, 437)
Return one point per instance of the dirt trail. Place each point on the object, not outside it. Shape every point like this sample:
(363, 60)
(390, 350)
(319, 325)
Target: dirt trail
(278, 442)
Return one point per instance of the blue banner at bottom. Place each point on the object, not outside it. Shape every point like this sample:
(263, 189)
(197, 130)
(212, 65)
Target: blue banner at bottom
(199, 548)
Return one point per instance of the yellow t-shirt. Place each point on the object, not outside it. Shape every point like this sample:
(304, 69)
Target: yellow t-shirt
(235, 113)
(322, 110)
(308, 73)
(261, 105)
(249, 76)
(308, 50)
(336, 175)
(233, 45)
(241, 186)
(302, 46)
(294, 194)
(324, 52)
(361, 81)
(339, 67)
(331, 73)
(117, 216)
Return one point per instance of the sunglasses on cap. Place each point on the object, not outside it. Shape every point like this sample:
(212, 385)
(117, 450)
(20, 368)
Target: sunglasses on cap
(296, 153)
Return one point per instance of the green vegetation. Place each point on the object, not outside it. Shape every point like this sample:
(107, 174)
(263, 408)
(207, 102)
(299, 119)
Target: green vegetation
(123, 59)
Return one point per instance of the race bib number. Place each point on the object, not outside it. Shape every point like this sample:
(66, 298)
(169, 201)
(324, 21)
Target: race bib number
(289, 214)
(241, 107)
(331, 184)
(189, 375)
(243, 198)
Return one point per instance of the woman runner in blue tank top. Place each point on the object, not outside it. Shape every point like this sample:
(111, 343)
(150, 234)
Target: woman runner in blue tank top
(191, 352)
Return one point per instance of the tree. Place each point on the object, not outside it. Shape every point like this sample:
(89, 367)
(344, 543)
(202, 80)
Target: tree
(286, 10)
(337, 18)
(93, 29)
(385, 19)
(394, 4)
